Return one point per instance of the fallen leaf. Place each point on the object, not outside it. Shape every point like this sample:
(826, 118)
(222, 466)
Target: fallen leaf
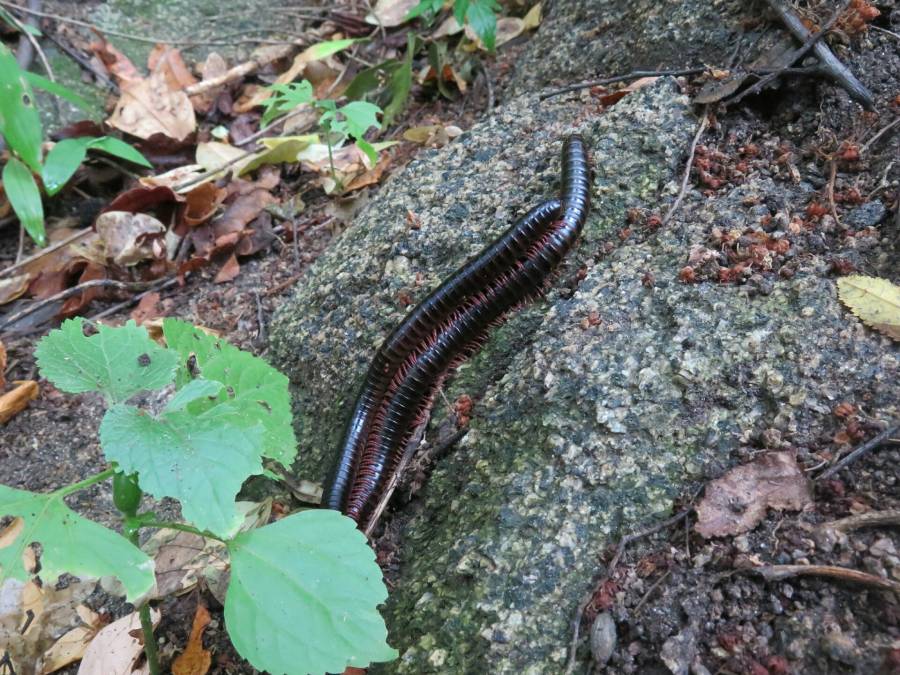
(173, 178)
(3, 360)
(433, 136)
(389, 13)
(114, 651)
(15, 401)
(72, 645)
(213, 67)
(508, 28)
(533, 18)
(147, 309)
(229, 270)
(737, 501)
(218, 158)
(149, 106)
(618, 94)
(279, 149)
(201, 203)
(195, 660)
(160, 200)
(874, 301)
(126, 239)
(13, 287)
(77, 303)
(371, 177)
(116, 63)
(449, 26)
(167, 60)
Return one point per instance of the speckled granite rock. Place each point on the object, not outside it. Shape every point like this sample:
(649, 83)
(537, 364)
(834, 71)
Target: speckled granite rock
(581, 431)
(584, 39)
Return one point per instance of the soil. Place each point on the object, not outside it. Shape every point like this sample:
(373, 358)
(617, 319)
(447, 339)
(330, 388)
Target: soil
(739, 623)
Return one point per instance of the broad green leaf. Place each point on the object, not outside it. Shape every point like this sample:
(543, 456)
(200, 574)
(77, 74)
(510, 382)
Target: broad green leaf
(303, 596)
(459, 10)
(401, 83)
(62, 162)
(69, 543)
(201, 460)
(41, 82)
(20, 123)
(481, 15)
(193, 391)
(119, 149)
(251, 383)
(367, 148)
(119, 362)
(284, 98)
(25, 197)
(426, 8)
(327, 48)
(371, 78)
(876, 302)
(360, 116)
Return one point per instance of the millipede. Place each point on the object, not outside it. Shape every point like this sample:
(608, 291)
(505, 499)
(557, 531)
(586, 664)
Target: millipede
(445, 329)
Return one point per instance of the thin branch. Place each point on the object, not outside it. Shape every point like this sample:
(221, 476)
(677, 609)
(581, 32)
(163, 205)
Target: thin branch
(871, 444)
(835, 70)
(687, 170)
(158, 285)
(829, 189)
(69, 292)
(779, 572)
(868, 519)
(239, 71)
(881, 132)
(46, 251)
(633, 75)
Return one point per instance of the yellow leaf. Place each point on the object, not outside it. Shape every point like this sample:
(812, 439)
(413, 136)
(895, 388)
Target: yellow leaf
(279, 149)
(13, 402)
(195, 660)
(533, 18)
(876, 302)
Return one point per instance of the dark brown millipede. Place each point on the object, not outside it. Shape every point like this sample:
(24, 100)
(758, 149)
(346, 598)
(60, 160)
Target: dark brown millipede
(443, 330)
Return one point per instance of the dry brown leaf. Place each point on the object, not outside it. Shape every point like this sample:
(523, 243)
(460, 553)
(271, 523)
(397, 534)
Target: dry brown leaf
(229, 270)
(149, 106)
(126, 239)
(371, 177)
(13, 287)
(508, 27)
(15, 401)
(167, 60)
(147, 309)
(114, 651)
(3, 361)
(449, 26)
(533, 18)
(116, 63)
(874, 301)
(433, 136)
(201, 203)
(737, 501)
(212, 68)
(176, 176)
(195, 660)
(389, 13)
(618, 94)
(72, 645)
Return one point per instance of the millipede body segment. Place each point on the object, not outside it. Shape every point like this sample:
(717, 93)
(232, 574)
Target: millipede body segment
(447, 327)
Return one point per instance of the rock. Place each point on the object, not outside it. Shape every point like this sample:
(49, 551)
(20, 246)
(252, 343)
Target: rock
(603, 638)
(678, 652)
(865, 215)
(580, 432)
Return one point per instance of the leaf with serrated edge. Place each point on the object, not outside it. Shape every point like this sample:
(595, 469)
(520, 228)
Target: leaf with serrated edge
(253, 383)
(303, 596)
(201, 460)
(119, 362)
(194, 390)
(69, 543)
(876, 302)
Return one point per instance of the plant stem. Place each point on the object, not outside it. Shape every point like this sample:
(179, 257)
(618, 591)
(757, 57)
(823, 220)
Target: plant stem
(86, 483)
(150, 647)
(183, 528)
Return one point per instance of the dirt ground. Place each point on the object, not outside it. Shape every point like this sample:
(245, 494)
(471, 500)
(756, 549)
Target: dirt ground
(740, 624)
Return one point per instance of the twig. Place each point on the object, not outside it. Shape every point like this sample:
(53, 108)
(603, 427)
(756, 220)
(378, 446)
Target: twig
(869, 519)
(610, 569)
(835, 70)
(46, 251)
(141, 38)
(809, 42)
(885, 31)
(655, 585)
(239, 71)
(74, 290)
(156, 286)
(404, 462)
(881, 132)
(829, 189)
(633, 75)
(779, 572)
(871, 444)
(687, 170)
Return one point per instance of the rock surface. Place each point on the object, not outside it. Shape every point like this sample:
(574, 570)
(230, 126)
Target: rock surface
(594, 407)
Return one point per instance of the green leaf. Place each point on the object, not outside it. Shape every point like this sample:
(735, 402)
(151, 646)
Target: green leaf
(459, 10)
(119, 362)
(18, 25)
(303, 596)
(119, 149)
(25, 197)
(425, 8)
(250, 382)
(481, 15)
(360, 116)
(285, 97)
(62, 162)
(193, 391)
(20, 123)
(401, 83)
(367, 148)
(329, 47)
(69, 543)
(41, 82)
(201, 460)
(371, 78)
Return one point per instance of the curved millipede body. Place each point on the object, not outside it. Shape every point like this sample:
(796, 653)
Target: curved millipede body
(445, 329)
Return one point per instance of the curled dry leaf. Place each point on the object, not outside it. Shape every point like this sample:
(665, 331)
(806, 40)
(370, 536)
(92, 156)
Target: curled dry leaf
(737, 501)
(229, 270)
(126, 239)
(72, 645)
(201, 204)
(876, 302)
(15, 401)
(195, 660)
(167, 61)
(13, 287)
(213, 68)
(116, 63)
(159, 200)
(114, 651)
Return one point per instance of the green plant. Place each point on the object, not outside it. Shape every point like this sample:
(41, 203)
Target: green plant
(480, 14)
(20, 126)
(303, 591)
(351, 120)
